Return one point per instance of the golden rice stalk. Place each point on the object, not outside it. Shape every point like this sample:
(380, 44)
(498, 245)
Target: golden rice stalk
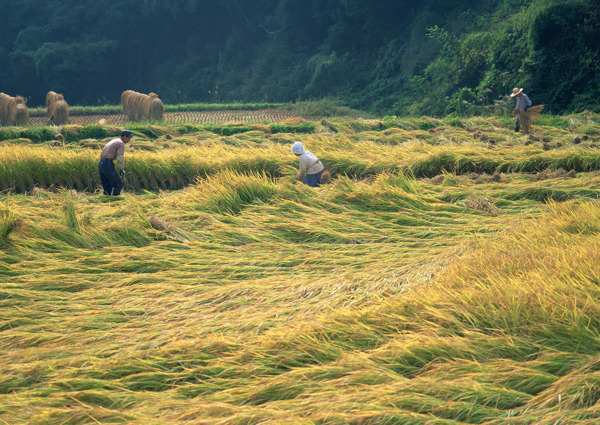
(526, 118)
(326, 177)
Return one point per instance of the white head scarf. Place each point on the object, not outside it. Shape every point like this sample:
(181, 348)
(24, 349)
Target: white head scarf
(297, 148)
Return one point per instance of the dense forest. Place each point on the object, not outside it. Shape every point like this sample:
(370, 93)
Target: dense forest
(420, 57)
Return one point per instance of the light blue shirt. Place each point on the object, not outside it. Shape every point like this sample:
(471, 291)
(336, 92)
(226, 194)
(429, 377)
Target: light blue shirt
(523, 101)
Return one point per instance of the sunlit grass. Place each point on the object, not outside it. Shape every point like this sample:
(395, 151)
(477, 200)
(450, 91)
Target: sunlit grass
(444, 281)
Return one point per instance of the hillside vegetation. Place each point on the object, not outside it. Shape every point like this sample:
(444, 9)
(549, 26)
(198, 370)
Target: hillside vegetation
(448, 274)
(417, 57)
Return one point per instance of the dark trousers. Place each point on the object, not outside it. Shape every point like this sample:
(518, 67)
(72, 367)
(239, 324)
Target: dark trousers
(111, 181)
(518, 124)
(313, 180)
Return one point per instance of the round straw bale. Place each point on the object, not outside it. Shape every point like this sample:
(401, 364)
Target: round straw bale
(20, 114)
(4, 109)
(124, 97)
(51, 99)
(127, 103)
(145, 102)
(157, 110)
(134, 104)
(138, 106)
(13, 110)
(61, 113)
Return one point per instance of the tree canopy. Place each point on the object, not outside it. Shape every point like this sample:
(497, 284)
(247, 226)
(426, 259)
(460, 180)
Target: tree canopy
(391, 56)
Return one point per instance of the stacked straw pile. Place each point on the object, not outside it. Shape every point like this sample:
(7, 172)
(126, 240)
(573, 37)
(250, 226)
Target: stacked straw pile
(58, 109)
(13, 110)
(142, 107)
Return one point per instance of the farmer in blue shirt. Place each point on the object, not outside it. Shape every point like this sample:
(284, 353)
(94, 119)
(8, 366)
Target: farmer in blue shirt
(523, 102)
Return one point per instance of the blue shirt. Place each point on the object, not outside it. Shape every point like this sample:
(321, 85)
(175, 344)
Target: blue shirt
(522, 101)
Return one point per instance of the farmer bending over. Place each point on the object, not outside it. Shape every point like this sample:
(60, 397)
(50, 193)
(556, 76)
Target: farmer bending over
(310, 169)
(523, 102)
(114, 150)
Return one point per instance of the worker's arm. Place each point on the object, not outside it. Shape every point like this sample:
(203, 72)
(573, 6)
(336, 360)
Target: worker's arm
(303, 166)
(121, 162)
(301, 173)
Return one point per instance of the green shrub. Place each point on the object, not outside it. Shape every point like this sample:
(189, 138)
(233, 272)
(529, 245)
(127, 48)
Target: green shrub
(39, 134)
(553, 121)
(455, 122)
(93, 132)
(426, 124)
(227, 130)
(302, 128)
(187, 128)
(35, 134)
(9, 133)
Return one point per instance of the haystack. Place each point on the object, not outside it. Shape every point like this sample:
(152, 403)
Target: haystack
(58, 109)
(138, 106)
(157, 110)
(60, 114)
(127, 102)
(528, 117)
(51, 99)
(4, 109)
(145, 101)
(20, 115)
(13, 110)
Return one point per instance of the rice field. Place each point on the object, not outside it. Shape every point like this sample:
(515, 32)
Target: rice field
(269, 115)
(447, 275)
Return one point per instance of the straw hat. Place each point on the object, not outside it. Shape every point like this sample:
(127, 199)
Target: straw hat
(516, 92)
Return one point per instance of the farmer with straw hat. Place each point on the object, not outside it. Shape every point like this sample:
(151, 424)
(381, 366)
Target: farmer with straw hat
(523, 103)
(310, 169)
(114, 150)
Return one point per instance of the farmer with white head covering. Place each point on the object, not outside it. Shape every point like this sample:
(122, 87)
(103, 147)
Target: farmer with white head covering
(523, 102)
(310, 169)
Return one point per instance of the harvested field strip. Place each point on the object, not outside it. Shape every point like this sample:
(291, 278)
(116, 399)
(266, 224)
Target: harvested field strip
(194, 117)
